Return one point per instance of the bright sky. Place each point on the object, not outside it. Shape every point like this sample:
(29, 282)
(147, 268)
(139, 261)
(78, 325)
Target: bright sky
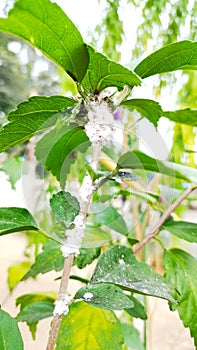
(89, 13)
(84, 14)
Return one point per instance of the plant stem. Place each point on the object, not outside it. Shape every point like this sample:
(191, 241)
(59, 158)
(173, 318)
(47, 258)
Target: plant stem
(84, 206)
(80, 279)
(82, 93)
(163, 218)
(61, 295)
(123, 95)
(145, 326)
(62, 291)
(160, 242)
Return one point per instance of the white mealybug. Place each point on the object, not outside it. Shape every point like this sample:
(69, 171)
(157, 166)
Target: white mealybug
(100, 120)
(88, 296)
(121, 262)
(62, 306)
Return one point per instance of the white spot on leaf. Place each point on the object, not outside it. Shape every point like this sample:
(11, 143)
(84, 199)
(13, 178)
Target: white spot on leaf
(88, 296)
(121, 262)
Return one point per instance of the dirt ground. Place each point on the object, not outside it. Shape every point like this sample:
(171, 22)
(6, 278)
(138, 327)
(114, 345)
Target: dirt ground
(166, 331)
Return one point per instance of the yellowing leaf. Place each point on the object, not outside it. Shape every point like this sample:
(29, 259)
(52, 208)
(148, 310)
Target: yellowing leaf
(88, 328)
(16, 272)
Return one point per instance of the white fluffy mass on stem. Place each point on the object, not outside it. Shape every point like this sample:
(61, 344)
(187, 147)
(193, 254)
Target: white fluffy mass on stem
(99, 130)
(86, 190)
(73, 238)
(62, 306)
(100, 121)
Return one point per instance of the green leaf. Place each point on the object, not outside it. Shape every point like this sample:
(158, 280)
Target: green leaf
(139, 160)
(64, 207)
(16, 272)
(44, 25)
(10, 337)
(95, 237)
(103, 73)
(33, 116)
(111, 218)
(147, 108)
(182, 229)
(125, 176)
(86, 256)
(118, 265)
(33, 329)
(15, 220)
(105, 296)
(132, 337)
(181, 271)
(183, 116)
(27, 299)
(49, 259)
(138, 310)
(57, 150)
(149, 197)
(13, 168)
(181, 55)
(86, 327)
(35, 312)
(41, 310)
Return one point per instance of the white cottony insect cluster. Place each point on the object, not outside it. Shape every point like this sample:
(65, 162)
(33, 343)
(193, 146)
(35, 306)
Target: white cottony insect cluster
(73, 238)
(88, 296)
(100, 121)
(62, 306)
(86, 189)
(99, 130)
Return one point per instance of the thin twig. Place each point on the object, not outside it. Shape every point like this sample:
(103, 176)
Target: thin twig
(63, 289)
(62, 292)
(163, 218)
(84, 206)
